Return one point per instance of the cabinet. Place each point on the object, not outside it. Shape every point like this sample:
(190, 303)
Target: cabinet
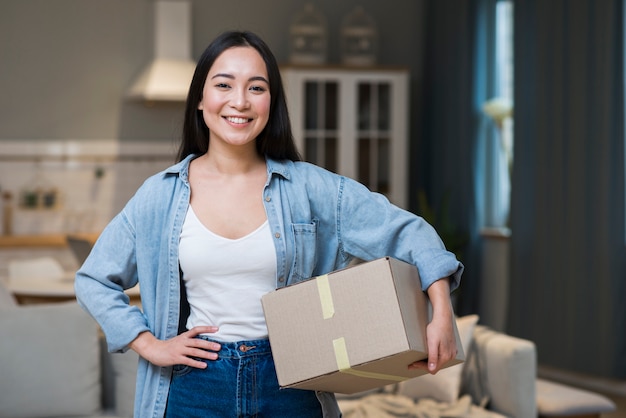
(353, 122)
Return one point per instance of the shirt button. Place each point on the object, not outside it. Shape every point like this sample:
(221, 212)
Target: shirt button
(277, 235)
(281, 279)
(268, 198)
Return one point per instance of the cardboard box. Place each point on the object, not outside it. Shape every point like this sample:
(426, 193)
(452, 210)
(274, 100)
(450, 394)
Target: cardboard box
(351, 330)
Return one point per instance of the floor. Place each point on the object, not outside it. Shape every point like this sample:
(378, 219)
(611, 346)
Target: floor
(620, 401)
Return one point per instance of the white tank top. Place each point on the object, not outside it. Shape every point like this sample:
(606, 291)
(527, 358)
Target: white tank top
(225, 279)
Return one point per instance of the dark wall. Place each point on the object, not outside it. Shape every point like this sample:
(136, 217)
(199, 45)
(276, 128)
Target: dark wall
(65, 65)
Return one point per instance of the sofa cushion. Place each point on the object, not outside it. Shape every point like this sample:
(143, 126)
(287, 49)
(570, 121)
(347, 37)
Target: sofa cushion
(50, 354)
(445, 385)
(557, 399)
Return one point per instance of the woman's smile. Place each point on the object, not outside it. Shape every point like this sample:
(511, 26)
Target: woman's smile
(237, 120)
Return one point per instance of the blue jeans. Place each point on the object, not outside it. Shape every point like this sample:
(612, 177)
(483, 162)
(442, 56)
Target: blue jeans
(240, 383)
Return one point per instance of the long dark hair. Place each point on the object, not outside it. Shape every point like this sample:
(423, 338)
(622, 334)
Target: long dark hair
(276, 140)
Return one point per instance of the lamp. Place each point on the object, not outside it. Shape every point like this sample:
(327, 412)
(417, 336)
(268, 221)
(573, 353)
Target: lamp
(501, 111)
(498, 109)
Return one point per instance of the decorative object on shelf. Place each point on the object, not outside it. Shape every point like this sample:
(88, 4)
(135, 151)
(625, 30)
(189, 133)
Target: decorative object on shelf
(40, 198)
(7, 213)
(38, 193)
(308, 37)
(359, 38)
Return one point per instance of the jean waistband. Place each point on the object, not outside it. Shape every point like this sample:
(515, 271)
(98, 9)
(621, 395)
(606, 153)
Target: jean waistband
(239, 349)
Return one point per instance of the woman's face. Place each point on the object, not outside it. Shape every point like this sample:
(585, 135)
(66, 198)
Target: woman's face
(236, 97)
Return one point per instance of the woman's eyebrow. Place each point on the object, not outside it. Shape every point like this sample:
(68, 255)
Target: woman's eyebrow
(259, 78)
(223, 75)
(232, 77)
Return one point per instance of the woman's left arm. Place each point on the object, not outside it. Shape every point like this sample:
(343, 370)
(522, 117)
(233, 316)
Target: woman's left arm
(440, 331)
(371, 227)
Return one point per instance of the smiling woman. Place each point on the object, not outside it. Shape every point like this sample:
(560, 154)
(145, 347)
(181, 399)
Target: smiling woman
(236, 218)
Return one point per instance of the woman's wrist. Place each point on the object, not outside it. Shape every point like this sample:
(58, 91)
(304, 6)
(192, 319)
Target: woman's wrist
(439, 295)
(141, 343)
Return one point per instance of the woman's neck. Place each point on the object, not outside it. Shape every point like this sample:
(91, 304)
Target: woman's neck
(221, 161)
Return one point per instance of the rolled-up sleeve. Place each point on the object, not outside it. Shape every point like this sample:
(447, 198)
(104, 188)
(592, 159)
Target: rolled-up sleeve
(101, 281)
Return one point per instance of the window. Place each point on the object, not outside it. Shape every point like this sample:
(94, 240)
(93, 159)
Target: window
(500, 151)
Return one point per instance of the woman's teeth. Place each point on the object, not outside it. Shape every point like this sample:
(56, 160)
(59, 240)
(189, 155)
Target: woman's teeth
(237, 120)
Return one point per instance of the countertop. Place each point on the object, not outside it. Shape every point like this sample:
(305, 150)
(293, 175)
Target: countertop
(47, 240)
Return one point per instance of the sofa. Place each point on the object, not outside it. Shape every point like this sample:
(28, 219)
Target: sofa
(54, 363)
(496, 380)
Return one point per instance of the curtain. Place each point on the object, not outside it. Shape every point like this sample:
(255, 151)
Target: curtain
(458, 79)
(568, 257)
(448, 129)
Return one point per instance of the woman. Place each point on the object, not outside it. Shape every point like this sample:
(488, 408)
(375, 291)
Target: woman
(237, 217)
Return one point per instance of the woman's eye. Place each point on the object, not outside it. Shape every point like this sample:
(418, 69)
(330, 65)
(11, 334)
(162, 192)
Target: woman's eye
(222, 85)
(258, 89)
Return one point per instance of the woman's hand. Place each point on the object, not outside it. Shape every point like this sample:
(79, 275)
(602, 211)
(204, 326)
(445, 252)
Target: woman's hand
(183, 349)
(440, 337)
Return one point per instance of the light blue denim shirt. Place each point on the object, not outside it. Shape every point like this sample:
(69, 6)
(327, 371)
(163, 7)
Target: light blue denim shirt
(319, 221)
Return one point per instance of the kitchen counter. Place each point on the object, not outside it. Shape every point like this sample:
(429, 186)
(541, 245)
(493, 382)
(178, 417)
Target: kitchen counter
(32, 247)
(49, 240)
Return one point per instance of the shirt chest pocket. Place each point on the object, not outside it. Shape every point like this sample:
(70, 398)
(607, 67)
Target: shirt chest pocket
(305, 250)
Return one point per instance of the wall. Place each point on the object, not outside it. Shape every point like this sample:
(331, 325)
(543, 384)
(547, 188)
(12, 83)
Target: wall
(65, 66)
(89, 181)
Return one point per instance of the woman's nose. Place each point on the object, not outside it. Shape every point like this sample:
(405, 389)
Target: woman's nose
(240, 99)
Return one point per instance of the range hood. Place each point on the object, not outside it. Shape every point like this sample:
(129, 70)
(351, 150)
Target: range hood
(168, 76)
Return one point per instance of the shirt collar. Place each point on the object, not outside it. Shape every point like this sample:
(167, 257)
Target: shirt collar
(280, 167)
(181, 168)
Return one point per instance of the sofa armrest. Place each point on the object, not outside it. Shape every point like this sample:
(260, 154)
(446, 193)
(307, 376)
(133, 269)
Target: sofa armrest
(502, 370)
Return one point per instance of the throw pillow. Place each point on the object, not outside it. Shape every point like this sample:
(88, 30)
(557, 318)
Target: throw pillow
(50, 361)
(445, 385)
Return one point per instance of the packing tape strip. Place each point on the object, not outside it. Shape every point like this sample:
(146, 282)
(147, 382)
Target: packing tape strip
(326, 297)
(343, 363)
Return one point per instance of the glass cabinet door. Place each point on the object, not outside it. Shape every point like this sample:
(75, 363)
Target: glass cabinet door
(374, 157)
(320, 124)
